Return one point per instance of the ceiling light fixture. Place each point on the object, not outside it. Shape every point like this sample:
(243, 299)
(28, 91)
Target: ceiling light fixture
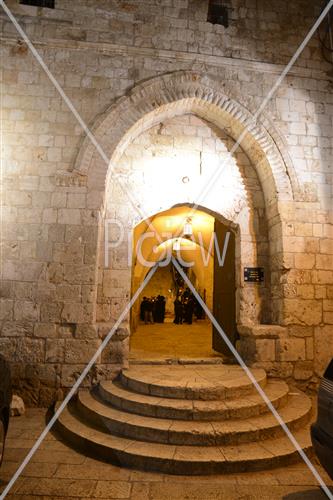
(188, 229)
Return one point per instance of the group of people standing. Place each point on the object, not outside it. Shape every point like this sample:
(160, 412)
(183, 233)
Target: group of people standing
(152, 309)
(185, 306)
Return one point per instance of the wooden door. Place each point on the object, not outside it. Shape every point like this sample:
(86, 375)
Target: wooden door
(224, 290)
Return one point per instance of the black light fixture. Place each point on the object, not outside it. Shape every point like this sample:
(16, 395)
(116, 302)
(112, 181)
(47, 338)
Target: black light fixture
(218, 13)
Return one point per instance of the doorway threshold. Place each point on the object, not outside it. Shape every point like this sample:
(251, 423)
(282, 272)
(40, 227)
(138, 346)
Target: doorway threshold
(180, 361)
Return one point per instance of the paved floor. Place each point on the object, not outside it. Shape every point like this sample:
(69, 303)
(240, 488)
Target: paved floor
(169, 341)
(58, 472)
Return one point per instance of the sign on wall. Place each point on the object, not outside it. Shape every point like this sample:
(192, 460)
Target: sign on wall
(253, 274)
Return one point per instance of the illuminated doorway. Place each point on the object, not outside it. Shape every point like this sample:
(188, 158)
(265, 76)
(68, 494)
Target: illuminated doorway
(204, 245)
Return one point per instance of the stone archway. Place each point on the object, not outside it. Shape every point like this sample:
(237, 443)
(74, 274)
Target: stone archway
(175, 95)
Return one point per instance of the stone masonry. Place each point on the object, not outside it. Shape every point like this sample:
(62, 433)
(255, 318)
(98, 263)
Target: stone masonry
(132, 69)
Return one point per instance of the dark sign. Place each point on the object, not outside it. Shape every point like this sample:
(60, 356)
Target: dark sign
(254, 274)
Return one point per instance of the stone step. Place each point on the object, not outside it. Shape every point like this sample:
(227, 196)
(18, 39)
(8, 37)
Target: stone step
(252, 405)
(192, 382)
(183, 432)
(172, 459)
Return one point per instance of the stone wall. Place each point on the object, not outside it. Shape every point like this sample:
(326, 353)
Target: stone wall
(54, 185)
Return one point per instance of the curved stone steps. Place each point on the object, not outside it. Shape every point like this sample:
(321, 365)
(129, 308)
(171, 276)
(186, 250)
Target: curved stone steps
(184, 409)
(202, 433)
(180, 459)
(187, 382)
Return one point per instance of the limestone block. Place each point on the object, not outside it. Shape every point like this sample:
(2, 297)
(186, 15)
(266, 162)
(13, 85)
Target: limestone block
(55, 350)
(262, 331)
(26, 310)
(303, 229)
(79, 274)
(103, 312)
(66, 330)
(76, 312)
(70, 373)
(303, 312)
(86, 331)
(89, 217)
(94, 199)
(328, 305)
(304, 261)
(323, 347)
(328, 318)
(45, 292)
(68, 252)
(294, 244)
(40, 199)
(297, 277)
(17, 328)
(90, 252)
(18, 198)
(31, 215)
(19, 271)
(80, 350)
(6, 309)
(88, 293)
(306, 291)
(265, 350)
(11, 250)
(30, 350)
(117, 307)
(303, 370)
(324, 262)
(58, 200)
(292, 349)
(326, 246)
(321, 292)
(309, 347)
(276, 369)
(17, 407)
(55, 272)
(50, 312)
(45, 330)
(68, 292)
(107, 371)
(28, 250)
(116, 351)
(76, 200)
(311, 245)
(8, 289)
(24, 290)
(49, 216)
(69, 216)
(121, 333)
(300, 331)
(81, 233)
(44, 250)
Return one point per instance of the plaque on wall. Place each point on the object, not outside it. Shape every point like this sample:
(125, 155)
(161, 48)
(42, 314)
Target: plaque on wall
(253, 274)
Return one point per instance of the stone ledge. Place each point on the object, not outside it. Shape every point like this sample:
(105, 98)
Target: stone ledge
(262, 331)
(212, 60)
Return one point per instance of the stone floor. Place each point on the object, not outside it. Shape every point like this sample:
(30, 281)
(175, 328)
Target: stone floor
(162, 341)
(56, 471)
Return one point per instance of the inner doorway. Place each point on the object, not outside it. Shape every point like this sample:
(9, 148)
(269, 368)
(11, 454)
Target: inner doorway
(204, 245)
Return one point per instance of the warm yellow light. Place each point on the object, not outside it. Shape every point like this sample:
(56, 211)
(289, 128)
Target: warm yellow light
(188, 229)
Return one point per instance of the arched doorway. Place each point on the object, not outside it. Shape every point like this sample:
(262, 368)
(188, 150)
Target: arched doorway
(249, 193)
(204, 244)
